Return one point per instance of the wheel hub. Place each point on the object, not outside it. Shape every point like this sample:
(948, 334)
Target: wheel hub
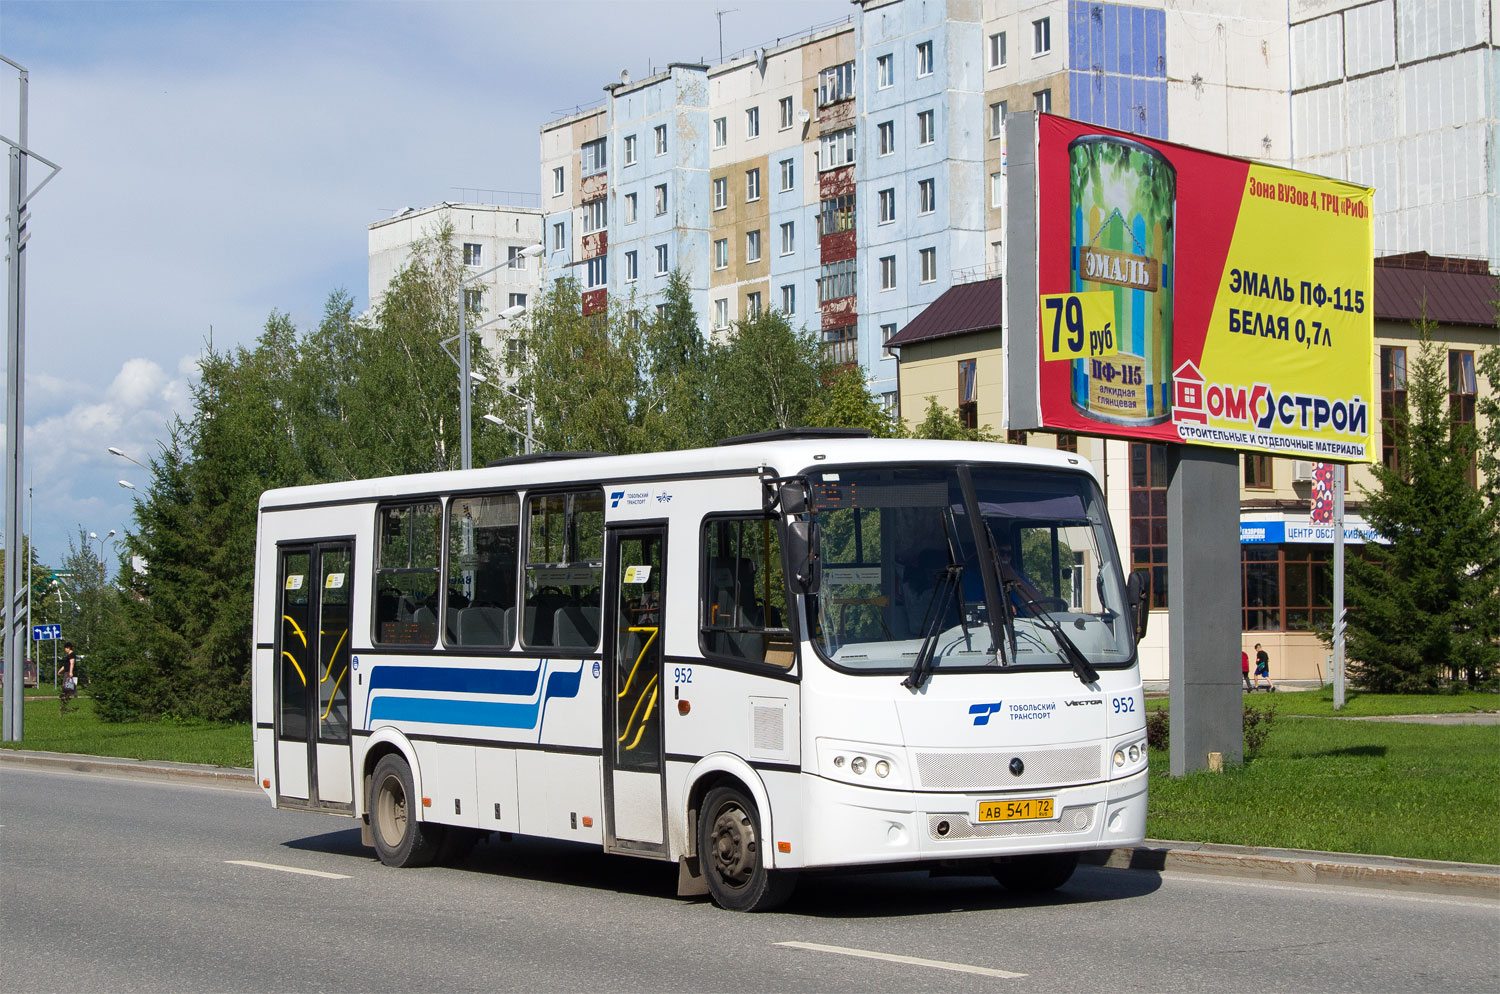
(734, 845)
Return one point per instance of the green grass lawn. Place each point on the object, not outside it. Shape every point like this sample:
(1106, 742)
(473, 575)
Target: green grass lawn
(1423, 791)
(45, 730)
(1361, 705)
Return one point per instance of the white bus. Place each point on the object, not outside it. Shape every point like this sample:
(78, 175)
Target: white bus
(796, 651)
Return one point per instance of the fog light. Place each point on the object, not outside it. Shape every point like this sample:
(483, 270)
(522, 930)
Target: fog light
(882, 769)
(838, 761)
(1135, 753)
(857, 765)
(1119, 757)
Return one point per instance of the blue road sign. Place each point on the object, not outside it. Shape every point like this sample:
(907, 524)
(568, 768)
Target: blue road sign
(45, 633)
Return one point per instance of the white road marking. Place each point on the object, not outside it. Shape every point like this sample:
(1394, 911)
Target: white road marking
(288, 869)
(934, 964)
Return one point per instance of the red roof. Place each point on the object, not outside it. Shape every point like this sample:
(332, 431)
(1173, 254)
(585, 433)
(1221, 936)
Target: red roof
(966, 307)
(1447, 291)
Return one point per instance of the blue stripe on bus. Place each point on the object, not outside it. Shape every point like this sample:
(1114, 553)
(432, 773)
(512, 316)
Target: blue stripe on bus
(440, 711)
(456, 680)
(446, 711)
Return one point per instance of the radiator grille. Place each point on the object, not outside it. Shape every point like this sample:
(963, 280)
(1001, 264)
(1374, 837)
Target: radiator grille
(1071, 822)
(767, 726)
(971, 771)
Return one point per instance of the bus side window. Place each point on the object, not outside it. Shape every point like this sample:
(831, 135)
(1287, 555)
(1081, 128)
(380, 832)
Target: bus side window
(406, 580)
(744, 597)
(564, 570)
(483, 538)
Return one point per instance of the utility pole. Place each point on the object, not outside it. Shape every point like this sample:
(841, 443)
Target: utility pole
(720, 15)
(15, 408)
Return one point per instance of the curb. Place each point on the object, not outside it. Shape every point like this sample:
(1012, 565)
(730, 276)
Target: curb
(1293, 866)
(1302, 866)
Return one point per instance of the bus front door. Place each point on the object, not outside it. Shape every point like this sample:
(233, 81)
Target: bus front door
(313, 767)
(634, 788)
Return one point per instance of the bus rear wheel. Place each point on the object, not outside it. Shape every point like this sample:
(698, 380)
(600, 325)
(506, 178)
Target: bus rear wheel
(731, 855)
(1037, 873)
(400, 839)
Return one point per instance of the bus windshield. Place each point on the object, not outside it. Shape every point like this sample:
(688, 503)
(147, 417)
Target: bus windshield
(902, 573)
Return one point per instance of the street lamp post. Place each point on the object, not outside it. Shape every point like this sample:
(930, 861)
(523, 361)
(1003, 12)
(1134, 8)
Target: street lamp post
(528, 437)
(116, 452)
(464, 411)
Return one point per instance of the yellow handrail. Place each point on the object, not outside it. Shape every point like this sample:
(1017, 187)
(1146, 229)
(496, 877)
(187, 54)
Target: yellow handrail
(332, 656)
(296, 628)
(636, 710)
(298, 668)
(342, 673)
(636, 665)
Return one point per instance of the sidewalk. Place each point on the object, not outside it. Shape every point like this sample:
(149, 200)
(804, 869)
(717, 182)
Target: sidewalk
(1245, 862)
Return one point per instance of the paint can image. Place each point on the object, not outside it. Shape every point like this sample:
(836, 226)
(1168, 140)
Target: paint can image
(1123, 215)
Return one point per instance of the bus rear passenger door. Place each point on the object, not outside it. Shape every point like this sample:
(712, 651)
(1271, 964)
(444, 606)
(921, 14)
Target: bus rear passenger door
(313, 766)
(634, 791)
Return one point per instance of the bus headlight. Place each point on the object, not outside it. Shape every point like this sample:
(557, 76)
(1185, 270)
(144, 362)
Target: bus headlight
(857, 765)
(862, 763)
(1119, 757)
(882, 769)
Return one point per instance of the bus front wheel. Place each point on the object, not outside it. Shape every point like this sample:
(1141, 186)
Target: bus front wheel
(1037, 873)
(731, 855)
(400, 839)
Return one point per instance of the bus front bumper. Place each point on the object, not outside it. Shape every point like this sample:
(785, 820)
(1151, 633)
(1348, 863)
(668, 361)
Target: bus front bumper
(861, 825)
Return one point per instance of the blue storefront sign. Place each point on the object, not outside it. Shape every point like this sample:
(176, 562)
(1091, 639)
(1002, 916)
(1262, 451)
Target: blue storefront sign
(1303, 532)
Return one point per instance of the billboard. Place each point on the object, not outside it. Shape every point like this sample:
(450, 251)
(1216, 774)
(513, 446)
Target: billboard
(1190, 297)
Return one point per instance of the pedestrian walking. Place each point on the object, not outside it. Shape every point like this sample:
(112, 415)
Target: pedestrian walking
(1245, 668)
(1263, 668)
(69, 674)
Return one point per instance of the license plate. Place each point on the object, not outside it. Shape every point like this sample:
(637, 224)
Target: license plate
(1025, 809)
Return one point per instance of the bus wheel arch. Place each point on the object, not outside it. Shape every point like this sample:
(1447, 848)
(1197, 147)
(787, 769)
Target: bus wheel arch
(401, 838)
(729, 821)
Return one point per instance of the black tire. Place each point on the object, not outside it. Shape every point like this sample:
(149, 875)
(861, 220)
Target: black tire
(400, 839)
(730, 855)
(1038, 873)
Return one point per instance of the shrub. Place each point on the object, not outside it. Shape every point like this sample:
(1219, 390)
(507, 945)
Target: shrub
(1257, 725)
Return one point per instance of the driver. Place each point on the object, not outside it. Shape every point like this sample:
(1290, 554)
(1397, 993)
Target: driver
(1021, 590)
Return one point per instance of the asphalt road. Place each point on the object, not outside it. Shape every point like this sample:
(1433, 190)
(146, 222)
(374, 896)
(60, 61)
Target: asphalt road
(115, 884)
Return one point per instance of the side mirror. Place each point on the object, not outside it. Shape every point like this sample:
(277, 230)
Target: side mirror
(793, 498)
(801, 539)
(1137, 590)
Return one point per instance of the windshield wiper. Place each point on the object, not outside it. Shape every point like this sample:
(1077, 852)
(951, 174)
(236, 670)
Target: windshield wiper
(932, 625)
(1010, 580)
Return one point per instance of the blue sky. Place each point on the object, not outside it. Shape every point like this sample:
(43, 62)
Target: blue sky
(221, 160)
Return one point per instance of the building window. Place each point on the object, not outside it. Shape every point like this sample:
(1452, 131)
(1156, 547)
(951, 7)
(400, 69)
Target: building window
(721, 253)
(887, 206)
(836, 214)
(596, 272)
(926, 196)
(752, 304)
(515, 351)
(786, 112)
(473, 300)
(629, 150)
(514, 259)
(789, 299)
(968, 393)
(661, 260)
(721, 132)
(557, 181)
(924, 59)
(1463, 391)
(661, 139)
(472, 254)
(1042, 101)
(1067, 443)
(632, 268)
(1148, 516)
(595, 215)
(661, 198)
(887, 332)
(836, 280)
(721, 193)
(789, 238)
(929, 265)
(517, 300)
(752, 122)
(1392, 403)
(559, 237)
(926, 133)
(997, 50)
(886, 130)
(891, 401)
(1041, 36)
(836, 84)
(836, 149)
(788, 174)
(888, 272)
(595, 157)
(1258, 472)
(752, 185)
(1015, 437)
(841, 344)
(885, 71)
(998, 112)
(752, 246)
(630, 208)
(721, 312)
(1260, 585)
(997, 189)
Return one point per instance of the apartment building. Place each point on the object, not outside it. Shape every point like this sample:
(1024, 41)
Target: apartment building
(486, 236)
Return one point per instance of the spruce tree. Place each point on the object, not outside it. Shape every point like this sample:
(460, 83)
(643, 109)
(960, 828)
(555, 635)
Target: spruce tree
(1422, 606)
